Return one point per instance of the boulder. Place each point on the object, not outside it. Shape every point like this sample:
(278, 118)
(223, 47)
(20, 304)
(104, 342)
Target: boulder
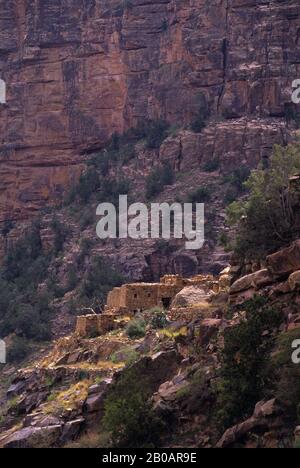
(34, 437)
(225, 279)
(94, 403)
(96, 397)
(235, 433)
(256, 280)
(242, 297)
(286, 261)
(265, 409)
(280, 288)
(261, 419)
(16, 389)
(191, 296)
(294, 280)
(47, 421)
(168, 391)
(71, 430)
(219, 299)
(28, 402)
(208, 329)
(155, 369)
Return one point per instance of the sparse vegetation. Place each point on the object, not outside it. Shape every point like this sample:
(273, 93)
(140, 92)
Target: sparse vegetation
(287, 375)
(246, 374)
(126, 355)
(158, 318)
(60, 234)
(201, 195)
(129, 417)
(156, 133)
(18, 350)
(90, 440)
(158, 179)
(212, 165)
(202, 114)
(136, 329)
(266, 219)
(23, 310)
(236, 184)
(99, 279)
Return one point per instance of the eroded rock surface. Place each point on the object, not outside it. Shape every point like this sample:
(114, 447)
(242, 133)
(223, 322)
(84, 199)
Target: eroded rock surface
(78, 71)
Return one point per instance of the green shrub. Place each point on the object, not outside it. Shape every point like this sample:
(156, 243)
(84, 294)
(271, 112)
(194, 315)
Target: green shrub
(18, 350)
(202, 114)
(201, 195)
(156, 133)
(224, 239)
(129, 416)
(236, 184)
(72, 280)
(7, 227)
(297, 443)
(31, 321)
(158, 179)
(267, 220)
(88, 184)
(111, 189)
(60, 234)
(100, 279)
(165, 25)
(128, 153)
(292, 114)
(23, 253)
(127, 355)
(245, 372)
(87, 217)
(159, 319)
(22, 308)
(212, 165)
(136, 329)
(231, 195)
(85, 248)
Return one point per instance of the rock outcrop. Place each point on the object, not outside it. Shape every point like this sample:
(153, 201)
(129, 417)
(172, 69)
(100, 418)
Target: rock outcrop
(78, 71)
(286, 261)
(263, 419)
(63, 396)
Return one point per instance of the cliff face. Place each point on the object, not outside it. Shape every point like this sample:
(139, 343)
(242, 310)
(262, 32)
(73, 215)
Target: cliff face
(77, 71)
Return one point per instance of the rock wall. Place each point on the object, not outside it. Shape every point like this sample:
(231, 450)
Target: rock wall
(79, 70)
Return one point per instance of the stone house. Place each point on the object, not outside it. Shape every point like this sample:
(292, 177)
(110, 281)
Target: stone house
(132, 298)
(126, 301)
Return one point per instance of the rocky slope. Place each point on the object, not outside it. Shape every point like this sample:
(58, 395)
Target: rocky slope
(78, 72)
(62, 397)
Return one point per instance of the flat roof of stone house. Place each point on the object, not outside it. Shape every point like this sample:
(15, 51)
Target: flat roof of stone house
(142, 285)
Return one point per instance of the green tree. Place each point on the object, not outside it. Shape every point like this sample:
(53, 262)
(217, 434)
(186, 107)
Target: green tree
(88, 184)
(245, 372)
(100, 279)
(158, 179)
(157, 133)
(201, 195)
(60, 234)
(129, 416)
(267, 220)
